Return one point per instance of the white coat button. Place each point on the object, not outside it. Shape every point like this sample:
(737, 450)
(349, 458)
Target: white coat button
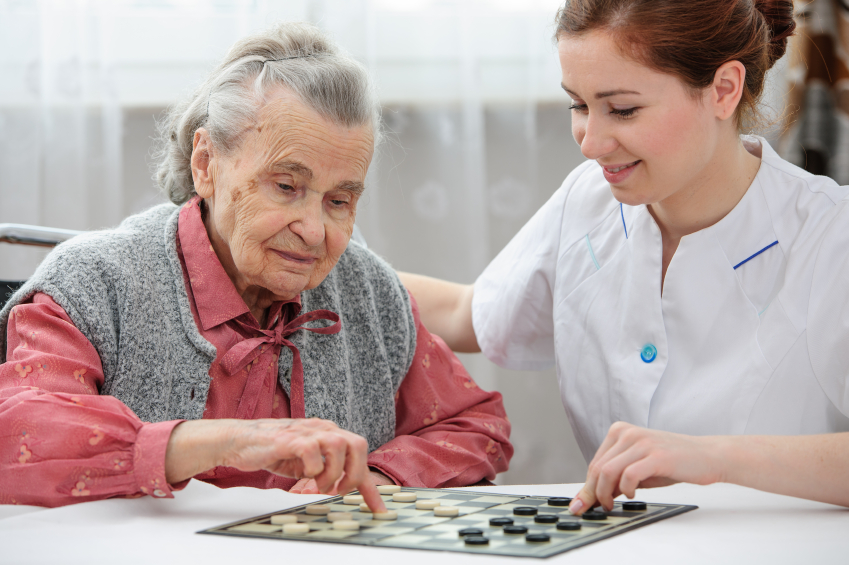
(648, 353)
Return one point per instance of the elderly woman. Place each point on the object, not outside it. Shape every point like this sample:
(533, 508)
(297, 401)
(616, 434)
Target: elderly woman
(195, 340)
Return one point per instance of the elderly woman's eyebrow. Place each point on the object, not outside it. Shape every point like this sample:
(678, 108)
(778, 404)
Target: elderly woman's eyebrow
(292, 167)
(355, 187)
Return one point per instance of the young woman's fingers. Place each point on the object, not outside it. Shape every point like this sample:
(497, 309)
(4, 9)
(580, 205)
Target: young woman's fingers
(610, 473)
(585, 499)
(637, 473)
(613, 445)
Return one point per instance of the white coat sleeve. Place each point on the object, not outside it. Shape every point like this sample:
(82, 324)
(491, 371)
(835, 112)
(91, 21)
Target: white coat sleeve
(828, 311)
(512, 307)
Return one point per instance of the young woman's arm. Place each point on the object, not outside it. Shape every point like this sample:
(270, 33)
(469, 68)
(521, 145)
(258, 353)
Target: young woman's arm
(445, 309)
(812, 467)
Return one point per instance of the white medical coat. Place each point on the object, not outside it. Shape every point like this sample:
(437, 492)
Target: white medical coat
(750, 334)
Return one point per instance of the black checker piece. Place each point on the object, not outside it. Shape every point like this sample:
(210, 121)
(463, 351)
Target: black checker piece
(633, 506)
(569, 525)
(501, 522)
(559, 501)
(538, 537)
(594, 515)
(470, 532)
(546, 519)
(515, 530)
(525, 511)
(476, 540)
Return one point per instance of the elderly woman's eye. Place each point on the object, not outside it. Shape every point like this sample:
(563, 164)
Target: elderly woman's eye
(286, 187)
(339, 202)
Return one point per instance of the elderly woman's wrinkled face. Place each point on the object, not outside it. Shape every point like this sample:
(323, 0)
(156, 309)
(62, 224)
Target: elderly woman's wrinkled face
(281, 207)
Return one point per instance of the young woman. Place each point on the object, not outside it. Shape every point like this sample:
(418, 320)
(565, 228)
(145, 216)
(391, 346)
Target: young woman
(691, 286)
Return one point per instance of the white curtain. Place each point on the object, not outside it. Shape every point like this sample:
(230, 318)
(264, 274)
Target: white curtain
(479, 136)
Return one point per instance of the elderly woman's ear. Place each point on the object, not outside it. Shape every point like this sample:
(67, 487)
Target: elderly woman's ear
(202, 156)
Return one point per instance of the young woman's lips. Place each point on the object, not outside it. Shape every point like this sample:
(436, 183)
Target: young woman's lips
(296, 257)
(615, 174)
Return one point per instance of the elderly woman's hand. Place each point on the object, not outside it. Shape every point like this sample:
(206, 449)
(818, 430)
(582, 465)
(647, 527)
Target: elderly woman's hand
(309, 486)
(300, 448)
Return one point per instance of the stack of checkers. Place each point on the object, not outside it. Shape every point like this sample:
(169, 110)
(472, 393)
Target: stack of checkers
(453, 520)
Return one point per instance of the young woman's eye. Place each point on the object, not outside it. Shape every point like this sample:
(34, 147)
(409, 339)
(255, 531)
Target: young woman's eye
(578, 107)
(624, 113)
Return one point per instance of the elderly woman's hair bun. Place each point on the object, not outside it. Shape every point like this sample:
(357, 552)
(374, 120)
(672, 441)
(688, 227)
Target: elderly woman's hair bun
(691, 39)
(296, 56)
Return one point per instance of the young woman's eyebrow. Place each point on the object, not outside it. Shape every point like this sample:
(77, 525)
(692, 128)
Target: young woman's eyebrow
(600, 95)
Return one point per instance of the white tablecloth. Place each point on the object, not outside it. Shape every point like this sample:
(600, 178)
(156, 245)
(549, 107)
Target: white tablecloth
(732, 525)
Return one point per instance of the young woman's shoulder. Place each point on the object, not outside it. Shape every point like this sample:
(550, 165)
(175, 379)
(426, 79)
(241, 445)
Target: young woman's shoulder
(798, 200)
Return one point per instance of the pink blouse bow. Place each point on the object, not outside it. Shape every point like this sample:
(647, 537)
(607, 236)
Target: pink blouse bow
(245, 352)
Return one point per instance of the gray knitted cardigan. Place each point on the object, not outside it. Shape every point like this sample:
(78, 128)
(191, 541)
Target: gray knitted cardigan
(124, 290)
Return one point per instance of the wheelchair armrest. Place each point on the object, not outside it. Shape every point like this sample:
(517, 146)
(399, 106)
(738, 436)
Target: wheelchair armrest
(34, 235)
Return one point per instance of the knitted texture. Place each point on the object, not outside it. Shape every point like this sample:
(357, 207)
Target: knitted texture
(124, 290)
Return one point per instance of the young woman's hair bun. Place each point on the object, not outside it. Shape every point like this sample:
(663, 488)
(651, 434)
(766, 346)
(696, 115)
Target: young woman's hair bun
(778, 15)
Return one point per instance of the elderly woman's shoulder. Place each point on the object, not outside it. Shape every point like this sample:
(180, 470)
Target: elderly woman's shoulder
(138, 235)
(99, 262)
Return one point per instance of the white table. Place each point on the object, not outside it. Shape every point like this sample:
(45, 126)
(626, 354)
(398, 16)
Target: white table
(732, 525)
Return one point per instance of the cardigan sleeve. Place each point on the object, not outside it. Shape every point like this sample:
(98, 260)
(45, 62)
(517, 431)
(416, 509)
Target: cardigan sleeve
(448, 432)
(63, 442)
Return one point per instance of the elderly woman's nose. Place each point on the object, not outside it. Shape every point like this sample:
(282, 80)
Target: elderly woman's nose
(309, 225)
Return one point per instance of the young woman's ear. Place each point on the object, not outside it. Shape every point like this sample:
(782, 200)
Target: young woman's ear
(727, 89)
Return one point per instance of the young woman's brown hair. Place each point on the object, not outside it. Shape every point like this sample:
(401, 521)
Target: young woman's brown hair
(691, 39)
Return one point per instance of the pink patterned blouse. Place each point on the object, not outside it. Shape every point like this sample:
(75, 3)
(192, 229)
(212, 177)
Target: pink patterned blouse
(62, 442)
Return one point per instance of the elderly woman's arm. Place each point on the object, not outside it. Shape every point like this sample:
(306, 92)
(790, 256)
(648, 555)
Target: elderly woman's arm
(292, 448)
(64, 443)
(446, 309)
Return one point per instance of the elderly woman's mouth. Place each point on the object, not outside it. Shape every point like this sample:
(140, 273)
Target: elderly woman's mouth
(296, 257)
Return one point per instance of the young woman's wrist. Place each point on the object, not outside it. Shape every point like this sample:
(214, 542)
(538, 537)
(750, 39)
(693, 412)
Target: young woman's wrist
(729, 457)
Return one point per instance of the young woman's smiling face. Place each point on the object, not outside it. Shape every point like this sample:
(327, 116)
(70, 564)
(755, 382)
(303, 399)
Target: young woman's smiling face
(651, 135)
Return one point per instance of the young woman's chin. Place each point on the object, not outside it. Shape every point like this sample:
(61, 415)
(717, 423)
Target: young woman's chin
(631, 195)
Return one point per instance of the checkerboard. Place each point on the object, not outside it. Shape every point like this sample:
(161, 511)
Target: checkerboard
(422, 529)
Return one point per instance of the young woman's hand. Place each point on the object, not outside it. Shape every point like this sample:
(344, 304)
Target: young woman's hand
(632, 457)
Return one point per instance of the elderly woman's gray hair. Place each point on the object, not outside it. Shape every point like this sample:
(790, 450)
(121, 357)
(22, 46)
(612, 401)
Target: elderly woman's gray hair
(296, 56)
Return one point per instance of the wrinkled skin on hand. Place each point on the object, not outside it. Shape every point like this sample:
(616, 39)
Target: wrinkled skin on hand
(309, 486)
(318, 450)
(313, 450)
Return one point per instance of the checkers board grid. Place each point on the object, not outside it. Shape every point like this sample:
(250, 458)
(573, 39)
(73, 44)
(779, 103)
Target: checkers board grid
(422, 529)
